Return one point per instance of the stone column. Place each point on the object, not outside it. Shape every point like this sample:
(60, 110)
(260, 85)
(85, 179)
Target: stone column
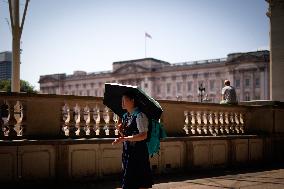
(262, 84)
(242, 85)
(252, 85)
(276, 15)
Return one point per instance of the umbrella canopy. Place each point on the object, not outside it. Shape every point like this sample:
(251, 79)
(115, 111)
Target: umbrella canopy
(113, 99)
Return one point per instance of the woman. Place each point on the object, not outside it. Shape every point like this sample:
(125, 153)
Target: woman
(135, 157)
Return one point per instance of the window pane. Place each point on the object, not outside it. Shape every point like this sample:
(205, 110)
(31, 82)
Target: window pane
(189, 86)
(237, 83)
(247, 82)
(212, 85)
(257, 82)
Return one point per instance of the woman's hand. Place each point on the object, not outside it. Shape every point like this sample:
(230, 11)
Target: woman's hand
(118, 140)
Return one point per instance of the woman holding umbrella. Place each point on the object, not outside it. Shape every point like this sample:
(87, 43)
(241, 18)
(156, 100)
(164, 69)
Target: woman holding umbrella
(135, 158)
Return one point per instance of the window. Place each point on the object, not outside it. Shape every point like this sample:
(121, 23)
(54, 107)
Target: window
(179, 85)
(88, 92)
(168, 87)
(247, 82)
(145, 85)
(80, 93)
(158, 89)
(84, 85)
(92, 85)
(96, 93)
(238, 83)
(257, 97)
(212, 85)
(247, 97)
(257, 82)
(189, 86)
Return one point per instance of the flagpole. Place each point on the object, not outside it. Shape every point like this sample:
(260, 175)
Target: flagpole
(145, 45)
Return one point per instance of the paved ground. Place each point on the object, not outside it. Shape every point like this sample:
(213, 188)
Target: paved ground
(253, 178)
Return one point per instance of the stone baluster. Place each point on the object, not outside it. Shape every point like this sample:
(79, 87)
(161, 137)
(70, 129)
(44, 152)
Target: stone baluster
(186, 128)
(193, 123)
(216, 123)
(232, 123)
(66, 118)
(106, 118)
(199, 122)
(97, 120)
(19, 116)
(242, 121)
(205, 123)
(115, 119)
(77, 120)
(5, 116)
(211, 123)
(237, 123)
(1, 121)
(227, 122)
(12, 121)
(221, 122)
(87, 119)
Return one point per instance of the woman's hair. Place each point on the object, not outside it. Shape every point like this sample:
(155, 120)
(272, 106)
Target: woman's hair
(130, 94)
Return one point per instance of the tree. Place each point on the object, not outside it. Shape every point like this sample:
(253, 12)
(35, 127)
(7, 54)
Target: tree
(5, 85)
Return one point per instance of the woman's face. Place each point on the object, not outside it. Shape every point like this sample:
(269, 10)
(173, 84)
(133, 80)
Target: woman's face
(127, 103)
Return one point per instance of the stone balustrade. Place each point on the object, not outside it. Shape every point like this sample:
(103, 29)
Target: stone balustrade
(70, 136)
(214, 122)
(92, 121)
(76, 117)
(12, 118)
(65, 116)
(51, 116)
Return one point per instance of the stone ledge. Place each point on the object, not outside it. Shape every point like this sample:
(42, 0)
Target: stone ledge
(22, 142)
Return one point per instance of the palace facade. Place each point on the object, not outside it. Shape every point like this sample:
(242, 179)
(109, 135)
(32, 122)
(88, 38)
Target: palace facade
(248, 73)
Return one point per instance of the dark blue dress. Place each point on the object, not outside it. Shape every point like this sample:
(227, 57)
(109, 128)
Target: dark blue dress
(135, 159)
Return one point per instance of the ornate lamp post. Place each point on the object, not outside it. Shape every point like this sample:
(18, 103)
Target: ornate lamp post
(201, 91)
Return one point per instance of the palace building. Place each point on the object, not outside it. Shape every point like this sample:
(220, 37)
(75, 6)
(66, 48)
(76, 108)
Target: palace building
(248, 73)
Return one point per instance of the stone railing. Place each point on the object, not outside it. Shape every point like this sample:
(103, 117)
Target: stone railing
(214, 122)
(70, 137)
(54, 116)
(66, 116)
(12, 118)
(90, 121)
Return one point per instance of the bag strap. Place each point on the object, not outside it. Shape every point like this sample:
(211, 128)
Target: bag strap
(135, 113)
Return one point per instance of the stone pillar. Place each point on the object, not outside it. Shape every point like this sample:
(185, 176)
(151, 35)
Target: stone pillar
(252, 85)
(276, 15)
(262, 84)
(242, 92)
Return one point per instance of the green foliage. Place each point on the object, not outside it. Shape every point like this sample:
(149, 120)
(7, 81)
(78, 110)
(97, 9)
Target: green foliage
(5, 85)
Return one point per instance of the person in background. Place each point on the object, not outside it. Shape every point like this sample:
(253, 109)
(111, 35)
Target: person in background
(229, 95)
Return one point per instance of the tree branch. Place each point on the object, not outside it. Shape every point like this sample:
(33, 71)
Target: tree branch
(11, 15)
(24, 17)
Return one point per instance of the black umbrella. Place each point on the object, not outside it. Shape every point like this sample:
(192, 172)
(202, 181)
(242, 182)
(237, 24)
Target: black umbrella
(113, 94)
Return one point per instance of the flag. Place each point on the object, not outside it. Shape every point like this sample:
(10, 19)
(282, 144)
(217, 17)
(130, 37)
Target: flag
(148, 35)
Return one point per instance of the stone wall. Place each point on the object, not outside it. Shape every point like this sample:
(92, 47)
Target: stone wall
(95, 159)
